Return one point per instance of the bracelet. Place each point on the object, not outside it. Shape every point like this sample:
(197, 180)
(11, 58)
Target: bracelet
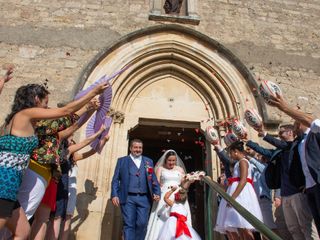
(74, 117)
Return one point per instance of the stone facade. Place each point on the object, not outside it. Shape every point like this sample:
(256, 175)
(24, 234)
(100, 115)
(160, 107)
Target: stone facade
(57, 40)
(217, 60)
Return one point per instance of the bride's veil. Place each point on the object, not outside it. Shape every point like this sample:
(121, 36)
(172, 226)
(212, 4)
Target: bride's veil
(162, 159)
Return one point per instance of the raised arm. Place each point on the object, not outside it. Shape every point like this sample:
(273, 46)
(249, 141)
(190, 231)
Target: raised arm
(224, 159)
(276, 142)
(93, 105)
(7, 76)
(76, 147)
(81, 156)
(103, 142)
(88, 110)
(261, 150)
(42, 113)
(260, 166)
(69, 131)
(185, 182)
(167, 196)
(304, 118)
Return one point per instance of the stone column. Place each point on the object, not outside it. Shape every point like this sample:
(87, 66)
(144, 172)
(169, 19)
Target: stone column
(96, 209)
(192, 8)
(111, 217)
(156, 7)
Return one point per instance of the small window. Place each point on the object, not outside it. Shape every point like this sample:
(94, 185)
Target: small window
(181, 11)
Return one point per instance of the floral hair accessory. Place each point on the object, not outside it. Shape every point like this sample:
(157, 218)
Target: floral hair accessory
(177, 196)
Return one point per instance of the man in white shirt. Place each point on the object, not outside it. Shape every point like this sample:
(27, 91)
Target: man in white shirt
(134, 186)
(308, 127)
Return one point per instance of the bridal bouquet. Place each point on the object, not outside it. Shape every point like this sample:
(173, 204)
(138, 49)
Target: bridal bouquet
(194, 176)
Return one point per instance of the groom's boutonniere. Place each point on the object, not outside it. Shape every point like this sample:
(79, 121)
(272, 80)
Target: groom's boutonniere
(149, 170)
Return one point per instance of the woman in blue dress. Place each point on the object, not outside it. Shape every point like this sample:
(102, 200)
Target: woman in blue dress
(17, 140)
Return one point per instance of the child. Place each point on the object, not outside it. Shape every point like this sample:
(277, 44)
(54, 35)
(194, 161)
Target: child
(229, 221)
(176, 226)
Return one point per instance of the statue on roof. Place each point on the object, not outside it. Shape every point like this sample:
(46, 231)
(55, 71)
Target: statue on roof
(172, 6)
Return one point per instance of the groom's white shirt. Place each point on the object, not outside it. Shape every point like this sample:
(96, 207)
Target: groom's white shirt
(136, 160)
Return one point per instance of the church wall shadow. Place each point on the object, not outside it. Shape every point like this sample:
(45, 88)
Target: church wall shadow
(82, 206)
(111, 225)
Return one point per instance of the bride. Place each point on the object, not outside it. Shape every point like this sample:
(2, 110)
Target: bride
(170, 171)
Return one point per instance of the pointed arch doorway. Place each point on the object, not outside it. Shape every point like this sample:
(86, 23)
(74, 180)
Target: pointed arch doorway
(175, 74)
(187, 140)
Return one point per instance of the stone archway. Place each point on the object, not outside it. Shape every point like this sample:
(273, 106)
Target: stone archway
(175, 74)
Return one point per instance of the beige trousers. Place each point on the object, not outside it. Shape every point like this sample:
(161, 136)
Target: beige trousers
(298, 217)
(282, 228)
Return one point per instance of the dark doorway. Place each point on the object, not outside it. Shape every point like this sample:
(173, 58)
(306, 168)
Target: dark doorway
(188, 141)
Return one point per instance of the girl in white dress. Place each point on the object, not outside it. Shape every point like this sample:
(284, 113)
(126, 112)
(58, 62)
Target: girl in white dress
(170, 172)
(241, 189)
(177, 227)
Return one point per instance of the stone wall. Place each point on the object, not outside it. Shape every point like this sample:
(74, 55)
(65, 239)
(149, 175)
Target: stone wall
(57, 40)
(277, 40)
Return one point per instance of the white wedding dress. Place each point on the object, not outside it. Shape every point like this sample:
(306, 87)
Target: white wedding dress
(160, 211)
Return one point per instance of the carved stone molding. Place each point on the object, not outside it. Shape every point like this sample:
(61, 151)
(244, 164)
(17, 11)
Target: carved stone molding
(117, 116)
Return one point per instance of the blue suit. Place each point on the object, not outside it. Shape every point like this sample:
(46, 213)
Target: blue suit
(135, 188)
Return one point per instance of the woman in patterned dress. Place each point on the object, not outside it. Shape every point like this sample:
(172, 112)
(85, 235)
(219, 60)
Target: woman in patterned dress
(18, 140)
(38, 190)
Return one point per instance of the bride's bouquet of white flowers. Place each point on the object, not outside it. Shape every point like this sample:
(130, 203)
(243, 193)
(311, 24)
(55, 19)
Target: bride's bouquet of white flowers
(190, 178)
(194, 176)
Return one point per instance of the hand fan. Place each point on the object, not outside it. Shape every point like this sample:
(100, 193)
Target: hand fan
(105, 100)
(90, 130)
(104, 78)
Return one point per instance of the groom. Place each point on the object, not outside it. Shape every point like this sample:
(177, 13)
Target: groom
(134, 187)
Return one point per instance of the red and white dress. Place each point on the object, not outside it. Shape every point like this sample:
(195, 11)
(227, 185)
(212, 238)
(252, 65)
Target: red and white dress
(177, 226)
(228, 218)
(160, 210)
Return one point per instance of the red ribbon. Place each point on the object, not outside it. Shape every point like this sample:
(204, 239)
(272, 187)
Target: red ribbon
(182, 227)
(237, 179)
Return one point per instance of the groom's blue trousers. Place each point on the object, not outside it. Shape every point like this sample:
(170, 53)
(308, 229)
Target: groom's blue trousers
(135, 214)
